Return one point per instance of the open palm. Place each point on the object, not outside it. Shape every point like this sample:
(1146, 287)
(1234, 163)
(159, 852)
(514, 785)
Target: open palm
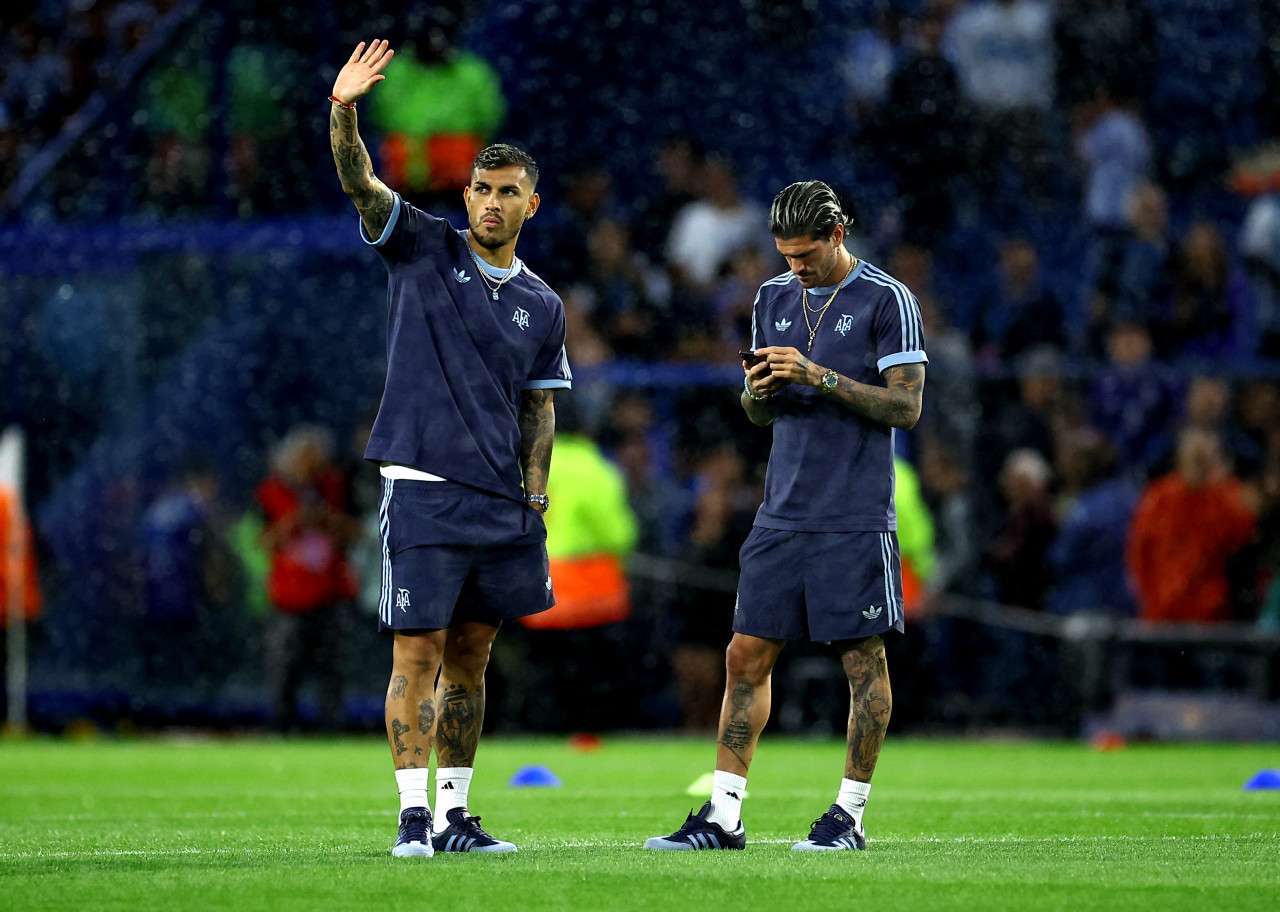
(362, 71)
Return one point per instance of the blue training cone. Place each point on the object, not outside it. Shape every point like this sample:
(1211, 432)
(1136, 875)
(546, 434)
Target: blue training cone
(1263, 779)
(536, 776)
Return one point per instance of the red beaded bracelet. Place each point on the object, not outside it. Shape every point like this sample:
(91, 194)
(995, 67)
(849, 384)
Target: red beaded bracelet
(338, 101)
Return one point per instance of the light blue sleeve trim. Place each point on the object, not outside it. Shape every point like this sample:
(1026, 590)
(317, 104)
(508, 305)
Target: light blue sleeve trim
(386, 232)
(548, 384)
(888, 361)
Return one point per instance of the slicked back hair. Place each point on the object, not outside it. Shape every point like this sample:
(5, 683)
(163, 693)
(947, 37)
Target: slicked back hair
(501, 155)
(806, 209)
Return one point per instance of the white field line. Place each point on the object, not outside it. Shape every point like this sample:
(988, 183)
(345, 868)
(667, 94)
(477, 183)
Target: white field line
(618, 844)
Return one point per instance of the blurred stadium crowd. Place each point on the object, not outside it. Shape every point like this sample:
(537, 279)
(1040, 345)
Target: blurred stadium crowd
(1083, 194)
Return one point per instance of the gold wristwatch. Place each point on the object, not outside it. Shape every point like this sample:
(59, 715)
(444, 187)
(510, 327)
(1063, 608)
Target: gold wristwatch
(830, 380)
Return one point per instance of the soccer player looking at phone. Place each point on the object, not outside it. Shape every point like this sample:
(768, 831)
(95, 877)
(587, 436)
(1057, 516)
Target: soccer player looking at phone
(842, 366)
(463, 440)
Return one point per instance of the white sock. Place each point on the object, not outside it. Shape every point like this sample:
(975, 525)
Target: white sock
(726, 800)
(853, 798)
(452, 785)
(412, 784)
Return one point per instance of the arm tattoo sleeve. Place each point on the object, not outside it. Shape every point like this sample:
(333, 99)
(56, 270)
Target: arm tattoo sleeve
(896, 404)
(372, 198)
(537, 432)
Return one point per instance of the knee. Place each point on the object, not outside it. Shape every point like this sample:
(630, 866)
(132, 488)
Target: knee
(416, 657)
(743, 662)
(865, 660)
(466, 653)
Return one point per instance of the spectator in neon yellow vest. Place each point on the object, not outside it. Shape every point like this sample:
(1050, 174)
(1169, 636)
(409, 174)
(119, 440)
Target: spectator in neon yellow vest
(447, 105)
(915, 534)
(591, 531)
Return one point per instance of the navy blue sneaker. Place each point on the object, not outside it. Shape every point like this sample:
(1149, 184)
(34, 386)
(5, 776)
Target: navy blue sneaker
(832, 831)
(414, 838)
(464, 834)
(700, 833)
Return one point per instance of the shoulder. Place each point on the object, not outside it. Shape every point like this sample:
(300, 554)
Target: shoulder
(540, 289)
(776, 287)
(880, 284)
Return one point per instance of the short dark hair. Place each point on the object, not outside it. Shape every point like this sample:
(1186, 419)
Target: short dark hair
(806, 209)
(501, 155)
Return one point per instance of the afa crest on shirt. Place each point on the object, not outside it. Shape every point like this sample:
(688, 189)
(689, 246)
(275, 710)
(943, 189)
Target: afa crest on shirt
(845, 324)
(521, 318)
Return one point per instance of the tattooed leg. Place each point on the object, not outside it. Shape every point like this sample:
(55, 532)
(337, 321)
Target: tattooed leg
(410, 695)
(459, 699)
(870, 704)
(749, 665)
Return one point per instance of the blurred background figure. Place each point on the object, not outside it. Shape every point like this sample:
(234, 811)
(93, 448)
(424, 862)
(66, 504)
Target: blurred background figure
(707, 231)
(926, 133)
(573, 651)
(1003, 51)
(193, 617)
(726, 500)
(1185, 531)
(1022, 314)
(311, 582)
(1260, 249)
(1086, 556)
(447, 105)
(1019, 557)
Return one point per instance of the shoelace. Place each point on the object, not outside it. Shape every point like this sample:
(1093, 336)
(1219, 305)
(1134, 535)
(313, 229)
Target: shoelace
(471, 826)
(693, 823)
(827, 827)
(413, 828)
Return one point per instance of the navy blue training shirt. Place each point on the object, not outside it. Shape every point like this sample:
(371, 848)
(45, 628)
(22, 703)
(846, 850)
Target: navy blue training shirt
(831, 470)
(457, 360)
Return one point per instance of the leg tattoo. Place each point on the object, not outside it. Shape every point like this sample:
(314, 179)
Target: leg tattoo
(739, 733)
(870, 704)
(426, 717)
(398, 728)
(458, 729)
(398, 686)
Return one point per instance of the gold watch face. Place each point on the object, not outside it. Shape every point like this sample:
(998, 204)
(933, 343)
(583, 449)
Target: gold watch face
(829, 380)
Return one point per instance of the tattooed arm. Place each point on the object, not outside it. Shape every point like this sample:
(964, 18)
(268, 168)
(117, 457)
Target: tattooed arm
(372, 198)
(537, 431)
(896, 404)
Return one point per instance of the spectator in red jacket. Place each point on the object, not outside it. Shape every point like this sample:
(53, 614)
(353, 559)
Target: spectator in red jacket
(1186, 529)
(311, 583)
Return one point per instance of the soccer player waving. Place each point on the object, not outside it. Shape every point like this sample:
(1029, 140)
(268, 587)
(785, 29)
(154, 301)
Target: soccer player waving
(822, 561)
(475, 348)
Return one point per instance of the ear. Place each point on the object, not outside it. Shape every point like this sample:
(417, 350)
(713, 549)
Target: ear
(532, 206)
(837, 235)
(466, 197)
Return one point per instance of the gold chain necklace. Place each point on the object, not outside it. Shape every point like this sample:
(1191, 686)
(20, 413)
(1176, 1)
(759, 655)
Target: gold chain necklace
(822, 311)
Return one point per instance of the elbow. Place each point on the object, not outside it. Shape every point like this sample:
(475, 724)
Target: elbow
(907, 418)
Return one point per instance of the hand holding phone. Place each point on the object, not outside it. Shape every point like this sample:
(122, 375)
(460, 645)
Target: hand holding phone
(751, 357)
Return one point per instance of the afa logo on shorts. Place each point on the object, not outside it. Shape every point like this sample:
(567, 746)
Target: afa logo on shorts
(402, 600)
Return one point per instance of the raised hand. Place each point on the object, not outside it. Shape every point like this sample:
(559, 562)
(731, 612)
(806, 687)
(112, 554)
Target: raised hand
(362, 71)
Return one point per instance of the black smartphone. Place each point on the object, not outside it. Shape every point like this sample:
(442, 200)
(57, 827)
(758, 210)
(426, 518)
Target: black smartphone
(751, 357)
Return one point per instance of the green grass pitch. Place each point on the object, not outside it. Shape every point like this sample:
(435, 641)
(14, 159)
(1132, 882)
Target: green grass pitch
(251, 824)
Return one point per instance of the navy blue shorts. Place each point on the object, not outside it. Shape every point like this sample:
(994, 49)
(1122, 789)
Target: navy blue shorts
(452, 553)
(820, 586)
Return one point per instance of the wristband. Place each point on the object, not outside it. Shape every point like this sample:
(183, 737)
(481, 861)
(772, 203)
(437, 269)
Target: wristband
(746, 385)
(342, 104)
